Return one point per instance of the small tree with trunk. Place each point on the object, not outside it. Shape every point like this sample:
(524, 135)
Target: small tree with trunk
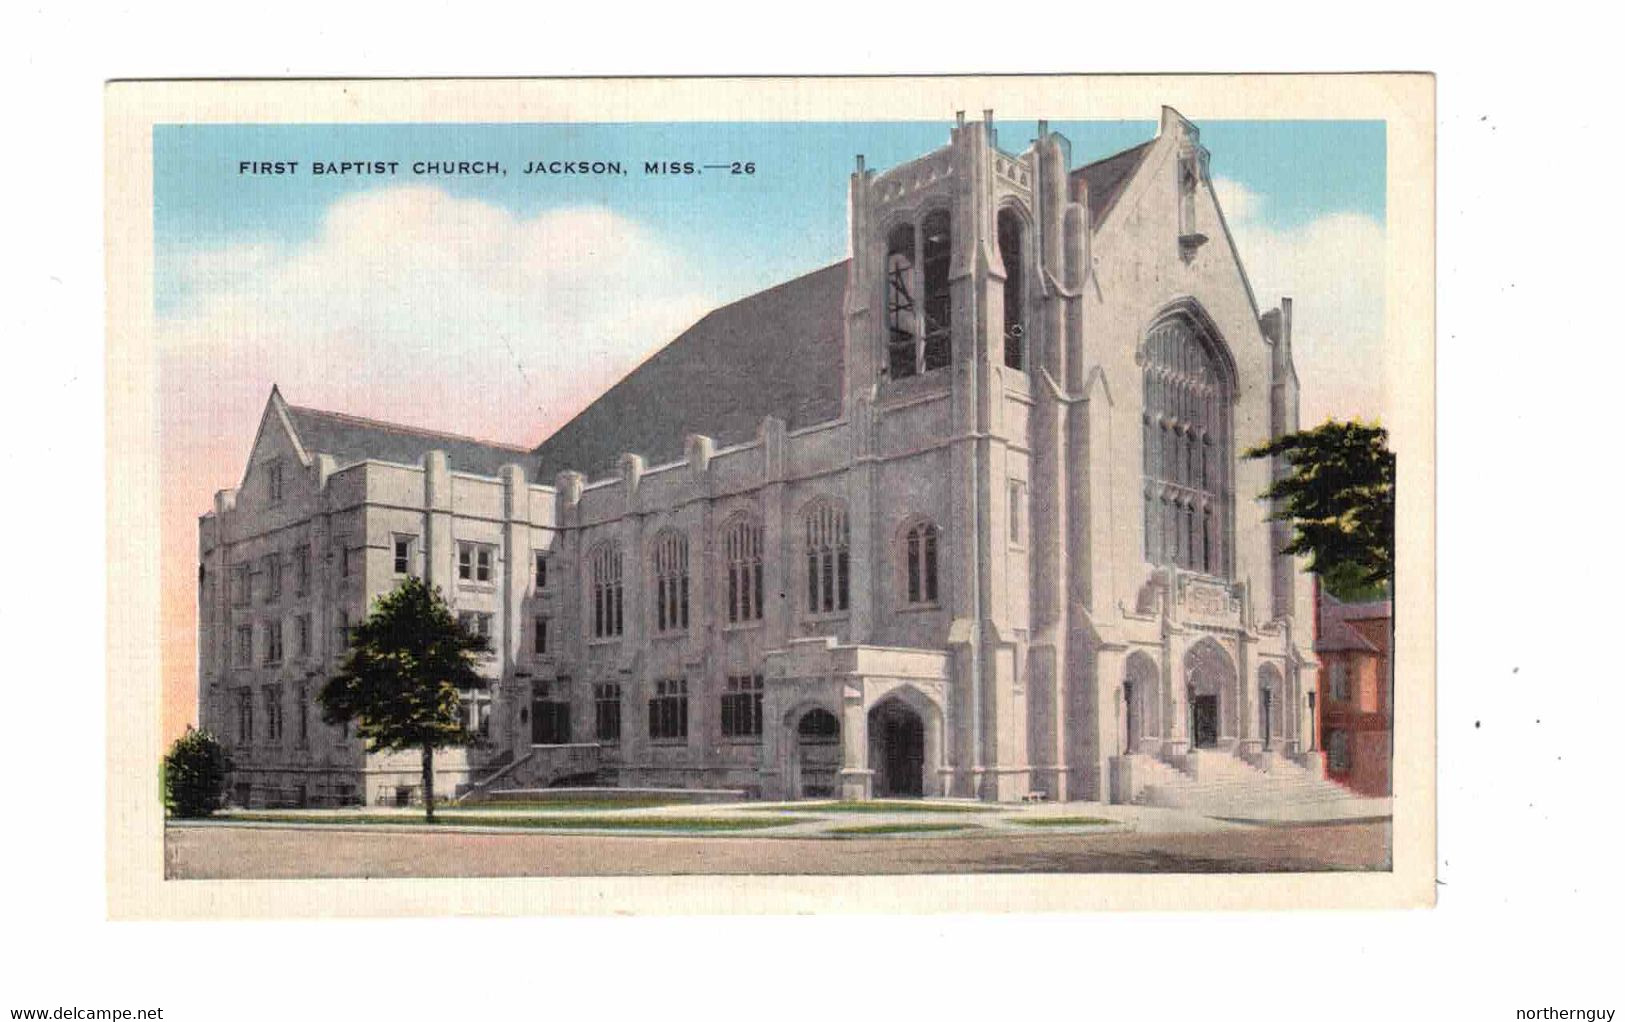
(1339, 496)
(403, 679)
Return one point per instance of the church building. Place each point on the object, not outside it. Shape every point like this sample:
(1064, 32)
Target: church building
(965, 515)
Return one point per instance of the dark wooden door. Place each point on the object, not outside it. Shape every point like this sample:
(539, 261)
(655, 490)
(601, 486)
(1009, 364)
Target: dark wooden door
(905, 756)
(1205, 721)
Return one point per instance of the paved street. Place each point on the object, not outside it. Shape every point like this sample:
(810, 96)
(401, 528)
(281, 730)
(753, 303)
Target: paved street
(243, 852)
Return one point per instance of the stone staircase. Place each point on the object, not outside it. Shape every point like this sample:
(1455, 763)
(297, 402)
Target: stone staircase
(541, 767)
(1278, 790)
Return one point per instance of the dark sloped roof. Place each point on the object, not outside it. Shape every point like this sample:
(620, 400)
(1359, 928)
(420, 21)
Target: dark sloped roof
(1336, 634)
(778, 352)
(350, 438)
(1107, 178)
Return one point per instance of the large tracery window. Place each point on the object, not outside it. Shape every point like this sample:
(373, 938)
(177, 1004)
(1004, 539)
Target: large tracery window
(671, 582)
(1015, 289)
(742, 543)
(606, 591)
(828, 559)
(1186, 450)
(918, 333)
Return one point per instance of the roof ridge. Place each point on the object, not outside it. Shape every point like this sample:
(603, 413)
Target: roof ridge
(362, 420)
(1113, 156)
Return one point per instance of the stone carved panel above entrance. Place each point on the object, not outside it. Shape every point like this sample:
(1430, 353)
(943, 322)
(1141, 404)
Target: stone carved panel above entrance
(1208, 601)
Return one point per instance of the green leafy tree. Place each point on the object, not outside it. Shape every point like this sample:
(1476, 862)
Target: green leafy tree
(194, 774)
(402, 681)
(1338, 493)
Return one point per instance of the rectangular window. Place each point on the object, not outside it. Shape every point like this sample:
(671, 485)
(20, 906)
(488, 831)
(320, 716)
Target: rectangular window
(242, 586)
(403, 554)
(302, 693)
(474, 562)
(273, 712)
(273, 642)
(273, 482)
(1341, 687)
(301, 570)
(273, 577)
(668, 711)
(475, 623)
(1017, 513)
(742, 707)
(301, 633)
(539, 640)
(344, 631)
(606, 701)
(245, 645)
(541, 570)
(245, 716)
(345, 563)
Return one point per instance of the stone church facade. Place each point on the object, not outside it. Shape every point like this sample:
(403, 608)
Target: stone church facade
(962, 515)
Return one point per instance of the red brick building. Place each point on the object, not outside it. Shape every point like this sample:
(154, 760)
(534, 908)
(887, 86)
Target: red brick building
(1354, 644)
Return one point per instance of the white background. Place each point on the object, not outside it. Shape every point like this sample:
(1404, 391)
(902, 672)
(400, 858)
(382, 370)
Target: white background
(1529, 672)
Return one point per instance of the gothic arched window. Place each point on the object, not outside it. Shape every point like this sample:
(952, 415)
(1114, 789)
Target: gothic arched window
(828, 558)
(606, 590)
(742, 545)
(920, 563)
(1015, 289)
(671, 582)
(1185, 433)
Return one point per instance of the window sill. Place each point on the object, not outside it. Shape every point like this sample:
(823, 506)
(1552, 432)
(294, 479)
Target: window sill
(668, 636)
(606, 640)
(471, 585)
(741, 626)
(919, 608)
(828, 615)
(750, 742)
(669, 743)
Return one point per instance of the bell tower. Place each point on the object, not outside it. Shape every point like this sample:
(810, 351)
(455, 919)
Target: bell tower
(957, 330)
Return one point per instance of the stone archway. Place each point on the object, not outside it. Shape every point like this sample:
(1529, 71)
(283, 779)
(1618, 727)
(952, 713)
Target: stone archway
(815, 754)
(897, 753)
(1211, 694)
(1142, 699)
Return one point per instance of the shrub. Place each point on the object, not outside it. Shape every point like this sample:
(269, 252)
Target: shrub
(194, 774)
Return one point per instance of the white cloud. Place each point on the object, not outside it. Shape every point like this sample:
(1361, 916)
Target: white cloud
(433, 310)
(1237, 200)
(1333, 268)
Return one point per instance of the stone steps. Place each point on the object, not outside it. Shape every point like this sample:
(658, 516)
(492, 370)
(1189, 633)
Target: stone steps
(1226, 786)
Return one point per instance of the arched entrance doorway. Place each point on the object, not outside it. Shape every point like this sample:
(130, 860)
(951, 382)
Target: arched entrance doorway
(897, 750)
(1141, 695)
(1210, 679)
(817, 754)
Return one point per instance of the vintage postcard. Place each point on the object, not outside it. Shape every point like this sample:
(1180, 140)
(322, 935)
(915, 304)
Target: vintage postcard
(904, 494)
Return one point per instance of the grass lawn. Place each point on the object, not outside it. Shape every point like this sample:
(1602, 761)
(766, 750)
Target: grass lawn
(584, 802)
(883, 807)
(900, 828)
(1062, 821)
(686, 824)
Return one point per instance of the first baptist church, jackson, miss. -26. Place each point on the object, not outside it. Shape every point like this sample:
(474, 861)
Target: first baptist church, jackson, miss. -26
(964, 514)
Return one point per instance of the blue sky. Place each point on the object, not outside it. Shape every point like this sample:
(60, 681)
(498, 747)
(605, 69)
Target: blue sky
(1299, 170)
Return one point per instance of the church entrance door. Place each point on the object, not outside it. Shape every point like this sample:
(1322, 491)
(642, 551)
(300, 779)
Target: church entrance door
(897, 734)
(1205, 721)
